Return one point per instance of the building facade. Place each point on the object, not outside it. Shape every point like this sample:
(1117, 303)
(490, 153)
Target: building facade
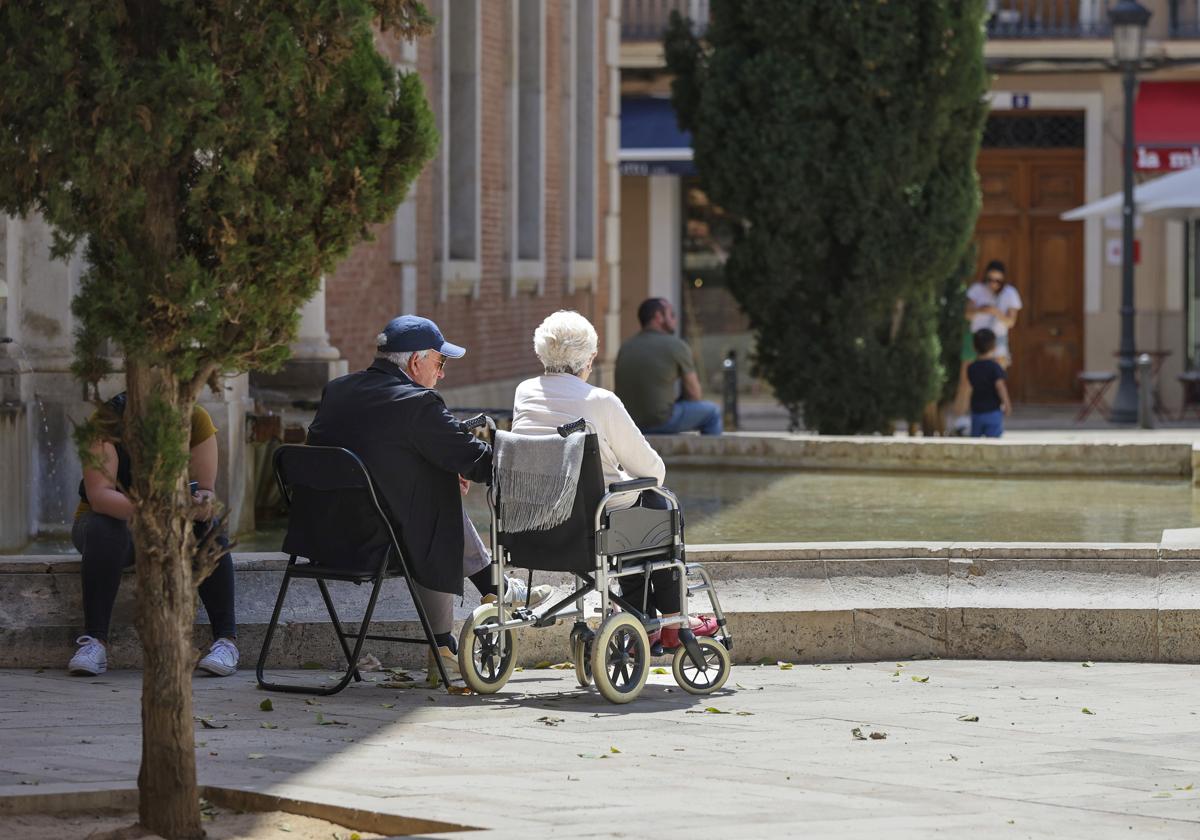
(517, 216)
(1053, 142)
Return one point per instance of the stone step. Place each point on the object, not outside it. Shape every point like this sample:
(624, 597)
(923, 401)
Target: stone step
(799, 602)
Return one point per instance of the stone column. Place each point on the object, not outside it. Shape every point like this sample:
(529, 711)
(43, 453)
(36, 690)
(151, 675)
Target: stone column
(37, 375)
(314, 360)
(611, 171)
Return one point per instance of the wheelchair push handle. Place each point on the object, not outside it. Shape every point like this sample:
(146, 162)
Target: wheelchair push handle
(478, 421)
(574, 426)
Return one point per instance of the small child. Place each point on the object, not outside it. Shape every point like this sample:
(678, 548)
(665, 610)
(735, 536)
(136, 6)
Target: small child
(989, 393)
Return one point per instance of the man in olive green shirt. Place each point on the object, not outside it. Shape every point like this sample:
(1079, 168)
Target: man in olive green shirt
(656, 377)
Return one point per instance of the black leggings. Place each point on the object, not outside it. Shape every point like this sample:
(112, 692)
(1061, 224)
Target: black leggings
(107, 548)
(664, 584)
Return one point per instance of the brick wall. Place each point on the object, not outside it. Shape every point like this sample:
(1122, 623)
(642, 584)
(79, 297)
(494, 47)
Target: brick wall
(496, 327)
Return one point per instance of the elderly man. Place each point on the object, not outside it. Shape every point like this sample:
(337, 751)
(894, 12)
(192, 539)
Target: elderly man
(422, 461)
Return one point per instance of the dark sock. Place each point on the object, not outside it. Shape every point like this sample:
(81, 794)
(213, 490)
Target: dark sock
(446, 640)
(483, 581)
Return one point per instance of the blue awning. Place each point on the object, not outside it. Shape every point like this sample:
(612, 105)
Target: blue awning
(651, 142)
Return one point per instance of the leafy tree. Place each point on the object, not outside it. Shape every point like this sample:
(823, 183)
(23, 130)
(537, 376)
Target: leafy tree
(215, 157)
(844, 135)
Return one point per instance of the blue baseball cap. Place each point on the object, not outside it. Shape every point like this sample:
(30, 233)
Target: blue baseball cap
(409, 333)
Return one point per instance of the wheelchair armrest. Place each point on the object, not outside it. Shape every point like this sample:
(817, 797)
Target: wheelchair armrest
(632, 484)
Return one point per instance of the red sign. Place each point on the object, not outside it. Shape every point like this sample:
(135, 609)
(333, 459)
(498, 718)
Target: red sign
(1166, 159)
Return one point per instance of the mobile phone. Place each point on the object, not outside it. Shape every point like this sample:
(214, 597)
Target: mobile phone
(194, 487)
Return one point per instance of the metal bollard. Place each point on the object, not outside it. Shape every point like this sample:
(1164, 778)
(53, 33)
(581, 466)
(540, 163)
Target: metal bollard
(1145, 392)
(730, 382)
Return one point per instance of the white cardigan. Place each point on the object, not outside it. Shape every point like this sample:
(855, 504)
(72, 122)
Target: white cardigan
(544, 403)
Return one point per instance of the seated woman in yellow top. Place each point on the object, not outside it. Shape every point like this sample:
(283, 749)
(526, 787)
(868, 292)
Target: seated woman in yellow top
(101, 534)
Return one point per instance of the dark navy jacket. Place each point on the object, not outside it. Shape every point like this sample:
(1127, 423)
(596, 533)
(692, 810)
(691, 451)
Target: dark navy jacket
(415, 450)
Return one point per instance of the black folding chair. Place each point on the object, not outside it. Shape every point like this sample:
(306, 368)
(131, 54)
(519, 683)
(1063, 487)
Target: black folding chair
(338, 527)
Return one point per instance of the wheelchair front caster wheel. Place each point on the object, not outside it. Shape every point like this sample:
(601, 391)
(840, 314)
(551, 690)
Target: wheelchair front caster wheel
(707, 676)
(620, 658)
(581, 655)
(482, 666)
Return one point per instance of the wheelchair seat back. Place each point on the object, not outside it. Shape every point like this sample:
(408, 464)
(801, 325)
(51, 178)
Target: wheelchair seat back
(571, 545)
(335, 518)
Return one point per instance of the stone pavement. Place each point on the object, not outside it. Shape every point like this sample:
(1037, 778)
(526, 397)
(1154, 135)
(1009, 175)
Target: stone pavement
(543, 758)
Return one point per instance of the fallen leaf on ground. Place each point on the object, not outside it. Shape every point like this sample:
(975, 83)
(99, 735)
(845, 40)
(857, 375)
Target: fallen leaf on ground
(311, 702)
(545, 663)
(856, 734)
(591, 755)
(458, 689)
(969, 718)
(1087, 711)
(322, 722)
(784, 666)
(915, 678)
(550, 721)
(266, 706)
(658, 670)
(1183, 787)
(1087, 664)
(253, 756)
(562, 666)
(368, 662)
(312, 666)
(209, 725)
(1162, 794)
(387, 705)
(895, 673)
(614, 750)
(744, 714)
(265, 725)
(878, 736)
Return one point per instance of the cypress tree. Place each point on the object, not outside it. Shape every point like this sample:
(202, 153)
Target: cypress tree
(844, 135)
(215, 158)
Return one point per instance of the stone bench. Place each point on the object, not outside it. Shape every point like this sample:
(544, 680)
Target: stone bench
(800, 602)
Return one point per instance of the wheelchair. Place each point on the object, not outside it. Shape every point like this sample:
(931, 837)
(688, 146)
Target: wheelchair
(598, 543)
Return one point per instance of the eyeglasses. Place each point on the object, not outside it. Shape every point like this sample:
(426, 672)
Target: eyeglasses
(441, 365)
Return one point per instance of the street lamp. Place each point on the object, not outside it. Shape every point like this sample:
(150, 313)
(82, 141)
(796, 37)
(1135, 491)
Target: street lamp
(1128, 19)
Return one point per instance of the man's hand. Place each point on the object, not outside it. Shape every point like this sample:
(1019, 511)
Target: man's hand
(202, 505)
(463, 485)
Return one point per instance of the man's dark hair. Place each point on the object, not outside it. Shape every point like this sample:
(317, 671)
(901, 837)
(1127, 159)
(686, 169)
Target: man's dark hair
(984, 341)
(995, 265)
(649, 308)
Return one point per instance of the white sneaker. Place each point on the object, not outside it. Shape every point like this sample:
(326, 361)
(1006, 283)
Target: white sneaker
(516, 590)
(962, 425)
(222, 658)
(91, 660)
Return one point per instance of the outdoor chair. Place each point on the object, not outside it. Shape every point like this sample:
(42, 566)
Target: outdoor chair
(598, 542)
(1190, 380)
(1095, 384)
(337, 530)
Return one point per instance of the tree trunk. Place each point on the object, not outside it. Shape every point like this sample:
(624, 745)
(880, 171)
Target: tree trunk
(168, 801)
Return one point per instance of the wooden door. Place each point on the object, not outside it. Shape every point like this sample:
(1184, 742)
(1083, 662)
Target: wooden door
(1024, 192)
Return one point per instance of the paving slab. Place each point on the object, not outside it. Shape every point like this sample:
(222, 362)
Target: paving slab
(545, 758)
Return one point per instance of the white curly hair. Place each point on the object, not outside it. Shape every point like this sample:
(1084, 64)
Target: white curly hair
(565, 342)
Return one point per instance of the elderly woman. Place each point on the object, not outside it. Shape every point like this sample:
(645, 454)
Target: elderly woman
(566, 345)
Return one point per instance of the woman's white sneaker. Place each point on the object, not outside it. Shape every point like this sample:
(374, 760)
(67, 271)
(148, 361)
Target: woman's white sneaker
(91, 660)
(515, 592)
(222, 658)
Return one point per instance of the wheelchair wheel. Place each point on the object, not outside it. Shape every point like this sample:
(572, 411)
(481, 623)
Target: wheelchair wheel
(620, 658)
(581, 655)
(695, 679)
(479, 662)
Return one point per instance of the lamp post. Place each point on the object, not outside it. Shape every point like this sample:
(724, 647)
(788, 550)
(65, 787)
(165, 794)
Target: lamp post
(1128, 19)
